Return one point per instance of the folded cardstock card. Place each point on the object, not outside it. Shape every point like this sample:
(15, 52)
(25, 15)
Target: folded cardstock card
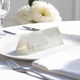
(39, 40)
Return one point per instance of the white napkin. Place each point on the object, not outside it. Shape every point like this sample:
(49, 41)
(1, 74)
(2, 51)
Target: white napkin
(65, 63)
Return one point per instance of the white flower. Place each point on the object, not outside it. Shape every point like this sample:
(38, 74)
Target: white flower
(40, 11)
(23, 15)
(43, 12)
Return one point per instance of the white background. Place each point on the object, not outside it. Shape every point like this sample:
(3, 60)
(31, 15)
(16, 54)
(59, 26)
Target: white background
(69, 10)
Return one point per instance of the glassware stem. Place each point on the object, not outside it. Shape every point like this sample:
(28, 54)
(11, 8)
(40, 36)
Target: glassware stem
(1, 27)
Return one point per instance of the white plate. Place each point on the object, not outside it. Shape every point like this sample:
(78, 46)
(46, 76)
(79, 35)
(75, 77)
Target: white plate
(69, 43)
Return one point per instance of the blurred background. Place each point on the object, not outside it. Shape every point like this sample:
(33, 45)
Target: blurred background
(68, 9)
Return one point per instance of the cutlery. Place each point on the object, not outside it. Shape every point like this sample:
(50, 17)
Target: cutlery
(30, 28)
(9, 32)
(19, 68)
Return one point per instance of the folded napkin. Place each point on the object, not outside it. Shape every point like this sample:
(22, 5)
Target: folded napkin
(66, 63)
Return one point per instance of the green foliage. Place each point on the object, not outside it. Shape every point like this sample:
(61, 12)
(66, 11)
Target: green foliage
(31, 1)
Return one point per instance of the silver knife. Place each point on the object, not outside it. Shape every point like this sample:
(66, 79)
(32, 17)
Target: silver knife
(30, 28)
(9, 32)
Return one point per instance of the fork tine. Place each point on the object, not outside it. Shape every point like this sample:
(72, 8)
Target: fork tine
(12, 64)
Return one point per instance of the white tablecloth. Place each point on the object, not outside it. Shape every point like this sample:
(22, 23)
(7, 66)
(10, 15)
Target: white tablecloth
(69, 27)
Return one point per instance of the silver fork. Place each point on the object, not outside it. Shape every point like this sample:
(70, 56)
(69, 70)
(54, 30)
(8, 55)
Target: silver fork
(19, 68)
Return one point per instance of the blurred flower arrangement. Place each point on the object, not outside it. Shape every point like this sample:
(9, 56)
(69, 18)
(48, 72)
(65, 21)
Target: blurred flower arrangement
(37, 12)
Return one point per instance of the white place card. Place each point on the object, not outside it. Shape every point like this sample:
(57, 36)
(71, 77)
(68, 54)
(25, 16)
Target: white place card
(39, 40)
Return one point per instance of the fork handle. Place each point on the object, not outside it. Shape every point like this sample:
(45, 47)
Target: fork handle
(42, 77)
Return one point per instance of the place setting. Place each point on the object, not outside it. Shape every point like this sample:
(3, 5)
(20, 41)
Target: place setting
(39, 45)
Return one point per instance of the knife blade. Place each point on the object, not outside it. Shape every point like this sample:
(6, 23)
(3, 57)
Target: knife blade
(30, 28)
(9, 32)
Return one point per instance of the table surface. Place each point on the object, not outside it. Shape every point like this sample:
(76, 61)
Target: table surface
(69, 27)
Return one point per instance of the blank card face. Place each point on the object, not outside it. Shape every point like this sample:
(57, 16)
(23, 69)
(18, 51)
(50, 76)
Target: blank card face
(39, 40)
